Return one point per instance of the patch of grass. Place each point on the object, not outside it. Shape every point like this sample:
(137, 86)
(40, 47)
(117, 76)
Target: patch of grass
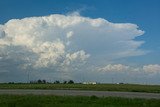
(97, 87)
(73, 101)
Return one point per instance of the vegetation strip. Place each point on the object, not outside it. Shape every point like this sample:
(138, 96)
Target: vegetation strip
(73, 101)
(96, 87)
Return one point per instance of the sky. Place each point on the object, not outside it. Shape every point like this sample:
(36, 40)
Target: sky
(105, 41)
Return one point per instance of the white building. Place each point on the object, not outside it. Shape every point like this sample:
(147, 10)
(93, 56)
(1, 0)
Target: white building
(89, 82)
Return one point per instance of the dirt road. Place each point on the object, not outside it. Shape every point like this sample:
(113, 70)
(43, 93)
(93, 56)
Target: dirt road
(81, 93)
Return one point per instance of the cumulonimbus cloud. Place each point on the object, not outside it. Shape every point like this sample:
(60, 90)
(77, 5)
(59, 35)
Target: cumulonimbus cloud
(58, 41)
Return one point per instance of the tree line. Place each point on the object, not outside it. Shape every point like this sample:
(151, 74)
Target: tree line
(39, 81)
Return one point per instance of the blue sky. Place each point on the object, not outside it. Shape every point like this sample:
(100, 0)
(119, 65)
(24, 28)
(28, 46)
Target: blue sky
(144, 13)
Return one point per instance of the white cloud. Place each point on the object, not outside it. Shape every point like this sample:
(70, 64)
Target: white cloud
(151, 68)
(114, 68)
(49, 53)
(145, 69)
(2, 33)
(61, 41)
(79, 56)
(69, 34)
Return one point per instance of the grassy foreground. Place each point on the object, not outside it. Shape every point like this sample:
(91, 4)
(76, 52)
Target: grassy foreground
(70, 101)
(97, 87)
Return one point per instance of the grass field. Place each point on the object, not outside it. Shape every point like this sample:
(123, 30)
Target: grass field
(70, 101)
(97, 87)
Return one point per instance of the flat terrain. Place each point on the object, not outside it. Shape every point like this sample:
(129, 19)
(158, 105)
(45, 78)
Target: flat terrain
(97, 87)
(73, 101)
(80, 93)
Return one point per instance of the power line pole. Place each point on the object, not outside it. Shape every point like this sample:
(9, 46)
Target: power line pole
(112, 80)
(28, 76)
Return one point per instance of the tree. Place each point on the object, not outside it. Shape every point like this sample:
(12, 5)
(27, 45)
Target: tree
(70, 82)
(56, 82)
(39, 81)
(44, 81)
(64, 82)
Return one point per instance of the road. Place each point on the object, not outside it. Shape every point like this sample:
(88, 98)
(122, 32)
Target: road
(80, 93)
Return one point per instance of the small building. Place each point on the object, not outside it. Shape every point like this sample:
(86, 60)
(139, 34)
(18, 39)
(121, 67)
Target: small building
(89, 82)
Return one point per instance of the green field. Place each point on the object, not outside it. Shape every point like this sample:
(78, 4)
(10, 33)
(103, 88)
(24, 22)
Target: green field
(97, 87)
(70, 101)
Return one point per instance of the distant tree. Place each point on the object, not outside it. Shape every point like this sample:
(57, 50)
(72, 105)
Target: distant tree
(11, 83)
(39, 81)
(31, 82)
(70, 82)
(44, 81)
(56, 82)
(64, 82)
